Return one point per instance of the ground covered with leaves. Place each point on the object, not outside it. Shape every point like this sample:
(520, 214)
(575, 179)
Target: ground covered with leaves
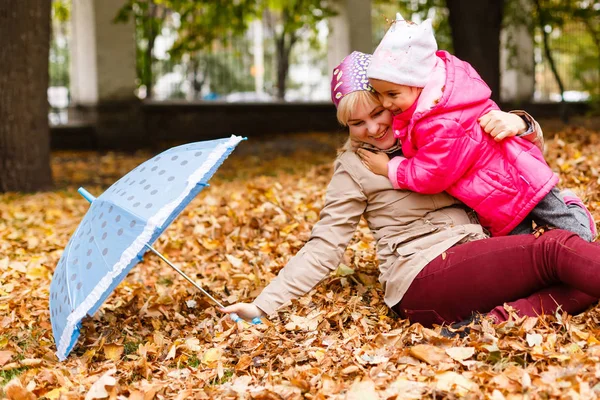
(157, 337)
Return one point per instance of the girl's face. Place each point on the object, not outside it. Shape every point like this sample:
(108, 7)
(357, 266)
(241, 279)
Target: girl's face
(372, 123)
(394, 97)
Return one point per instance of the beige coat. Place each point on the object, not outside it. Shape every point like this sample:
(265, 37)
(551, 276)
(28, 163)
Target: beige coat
(410, 229)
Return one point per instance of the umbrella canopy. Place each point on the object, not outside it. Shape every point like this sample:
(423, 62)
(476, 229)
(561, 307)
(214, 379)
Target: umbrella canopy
(120, 225)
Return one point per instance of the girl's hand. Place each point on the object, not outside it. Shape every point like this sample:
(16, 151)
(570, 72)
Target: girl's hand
(246, 311)
(376, 162)
(500, 124)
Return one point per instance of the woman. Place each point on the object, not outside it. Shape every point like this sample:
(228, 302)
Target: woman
(434, 267)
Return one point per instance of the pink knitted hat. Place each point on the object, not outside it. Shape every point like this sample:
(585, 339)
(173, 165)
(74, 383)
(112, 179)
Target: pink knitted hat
(350, 76)
(406, 54)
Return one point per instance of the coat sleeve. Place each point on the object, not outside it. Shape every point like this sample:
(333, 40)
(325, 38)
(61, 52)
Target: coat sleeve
(445, 152)
(537, 136)
(345, 203)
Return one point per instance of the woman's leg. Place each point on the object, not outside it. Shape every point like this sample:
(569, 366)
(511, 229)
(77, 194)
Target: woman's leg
(546, 301)
(480, 275)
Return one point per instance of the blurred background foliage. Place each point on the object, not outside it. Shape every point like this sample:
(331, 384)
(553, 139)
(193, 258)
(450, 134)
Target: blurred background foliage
(207, 49)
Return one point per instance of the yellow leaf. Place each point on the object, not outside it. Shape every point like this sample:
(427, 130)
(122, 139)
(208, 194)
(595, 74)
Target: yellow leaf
(430, 354)
(343, 270)
(113, 351)
(35, 270)
(319, 354)
(55, 393)
(460, 353)
(453, 382)
(211, 356)
(210, 244)
(287, 229)
(236, 262)
(592, 341)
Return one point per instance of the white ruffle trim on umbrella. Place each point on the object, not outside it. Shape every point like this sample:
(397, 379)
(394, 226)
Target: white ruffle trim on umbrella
(138, 244)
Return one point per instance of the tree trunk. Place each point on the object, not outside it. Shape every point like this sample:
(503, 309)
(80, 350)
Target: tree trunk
(596, 37)
(548, 52)
(284, 50)
(475, 28)
(282, 66)
(24, 132)
(149, 54)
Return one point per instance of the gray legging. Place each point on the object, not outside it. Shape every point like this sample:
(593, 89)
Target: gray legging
(553, 211)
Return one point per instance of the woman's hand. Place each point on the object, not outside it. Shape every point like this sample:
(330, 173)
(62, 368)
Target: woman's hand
(376, 162)
(246, 311)
(500, 124)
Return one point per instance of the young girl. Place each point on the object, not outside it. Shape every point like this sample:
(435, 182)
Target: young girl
(433, 267)
(437, 100)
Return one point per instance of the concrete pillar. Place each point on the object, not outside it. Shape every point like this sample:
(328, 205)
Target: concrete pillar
(258, 69)
(103, 73)
(350, 30)
(517, 64)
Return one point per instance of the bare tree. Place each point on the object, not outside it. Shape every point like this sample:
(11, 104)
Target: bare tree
(24, 132)
(476, 28)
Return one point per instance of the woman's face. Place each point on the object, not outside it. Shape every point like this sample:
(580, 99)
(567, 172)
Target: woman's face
(372, 123)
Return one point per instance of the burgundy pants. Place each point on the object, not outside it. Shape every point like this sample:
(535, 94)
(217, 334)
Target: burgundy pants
(532, 275)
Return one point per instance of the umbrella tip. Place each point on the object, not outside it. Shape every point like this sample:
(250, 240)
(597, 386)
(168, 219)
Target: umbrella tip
(86, 195)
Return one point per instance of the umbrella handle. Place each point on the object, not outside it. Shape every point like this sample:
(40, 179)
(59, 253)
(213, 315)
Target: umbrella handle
(236, 318)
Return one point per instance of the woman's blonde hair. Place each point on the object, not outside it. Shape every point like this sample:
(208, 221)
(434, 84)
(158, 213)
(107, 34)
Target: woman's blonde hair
(350, 102)
(353, 100)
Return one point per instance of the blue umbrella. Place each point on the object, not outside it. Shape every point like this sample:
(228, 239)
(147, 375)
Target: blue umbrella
(119, 228)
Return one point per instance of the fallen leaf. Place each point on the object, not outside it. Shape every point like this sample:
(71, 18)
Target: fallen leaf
(460, 353)
(98, 389)
(15, 391)
(55, 394)
(244, 362)
(406, 389)
(113, 351)
(350, 370)
(136, 395)
(430, 354)
(451, 381)
(5, 356)
(236, 262)
(364, 390)
(193, 344)
(343, 270)
(211, 356)
(534, 339)
(266, 395)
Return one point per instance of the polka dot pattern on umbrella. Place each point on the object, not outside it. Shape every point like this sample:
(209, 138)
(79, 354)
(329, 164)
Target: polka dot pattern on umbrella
(119, 223)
